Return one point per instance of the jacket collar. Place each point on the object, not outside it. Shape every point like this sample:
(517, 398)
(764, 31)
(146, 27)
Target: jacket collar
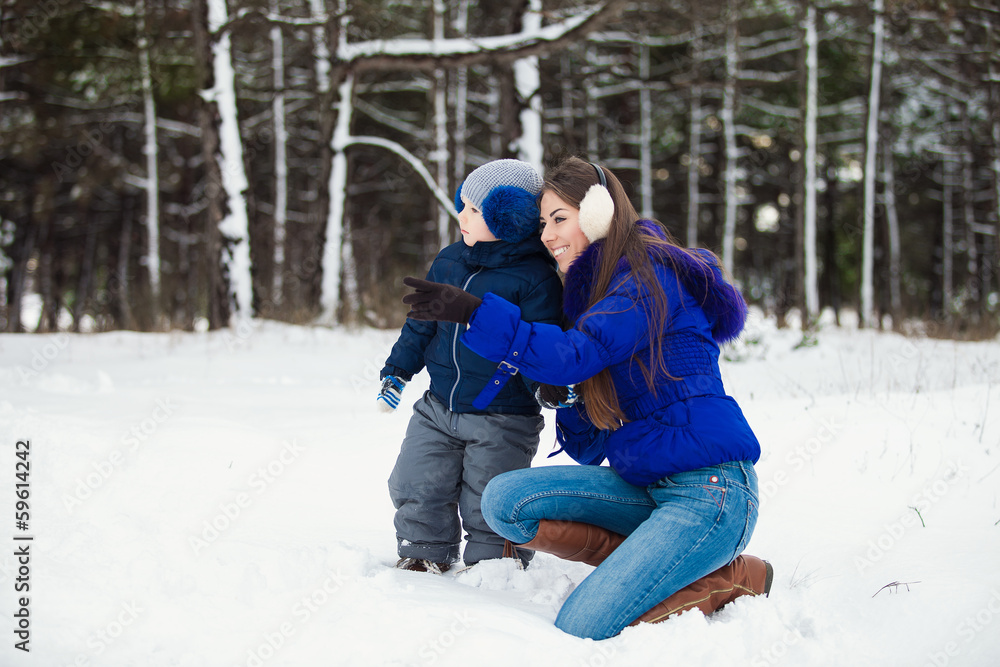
(698, 270)
(498, 254)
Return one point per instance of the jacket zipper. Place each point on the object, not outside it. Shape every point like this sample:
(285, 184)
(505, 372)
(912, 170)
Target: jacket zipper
(454, 350)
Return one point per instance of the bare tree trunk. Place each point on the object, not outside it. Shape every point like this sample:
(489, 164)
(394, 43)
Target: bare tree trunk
(994, 97)
(694, 131)
(567, 88)
(460, 96)
(86, 278)
(494, 114)
(119, 283)
(7, 274)
(218, 296)
(871, 150)
(947, 237)
(969, 216)
(328, 79)
(335, 222)
(593, 109)
(729, 127)
(25, 241)
(795, 295)
(809, 156)
(510, 110)
(831, 268)
(5, 310)
(645, 134)
(440, 154)
(46, 280)
(152, 164)
(892, 221)
(234, 226)
(527, 79)
(280, 160)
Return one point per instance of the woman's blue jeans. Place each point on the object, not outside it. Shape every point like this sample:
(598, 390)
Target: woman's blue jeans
(677, 530)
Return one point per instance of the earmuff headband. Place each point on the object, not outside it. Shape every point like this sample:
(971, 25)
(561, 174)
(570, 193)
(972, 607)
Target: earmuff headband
(600, 174)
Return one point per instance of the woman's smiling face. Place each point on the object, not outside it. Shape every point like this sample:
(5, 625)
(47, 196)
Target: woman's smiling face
(561, 230)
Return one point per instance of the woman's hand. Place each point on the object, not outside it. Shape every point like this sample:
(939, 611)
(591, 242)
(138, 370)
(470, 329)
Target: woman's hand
(439, 302)
(556, 396)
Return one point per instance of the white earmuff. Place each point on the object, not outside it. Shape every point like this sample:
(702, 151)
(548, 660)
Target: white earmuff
(596, 209)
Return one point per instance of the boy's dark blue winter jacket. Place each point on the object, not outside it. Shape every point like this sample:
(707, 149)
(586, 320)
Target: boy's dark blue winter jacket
(688, 422)
(522, 273)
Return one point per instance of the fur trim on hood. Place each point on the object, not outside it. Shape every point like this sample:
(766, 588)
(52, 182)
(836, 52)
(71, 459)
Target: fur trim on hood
(698, 270)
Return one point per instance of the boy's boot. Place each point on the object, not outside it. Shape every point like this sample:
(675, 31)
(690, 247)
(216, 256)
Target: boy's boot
(422, 565)
(747, 575)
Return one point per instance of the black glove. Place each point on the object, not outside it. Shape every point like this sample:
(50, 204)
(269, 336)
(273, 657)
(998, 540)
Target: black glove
(439, 302)
(554, 396)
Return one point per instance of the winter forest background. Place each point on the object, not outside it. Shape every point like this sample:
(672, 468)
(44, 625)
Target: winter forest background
(178, 163)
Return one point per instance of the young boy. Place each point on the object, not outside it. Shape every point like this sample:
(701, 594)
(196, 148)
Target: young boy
(477, 420)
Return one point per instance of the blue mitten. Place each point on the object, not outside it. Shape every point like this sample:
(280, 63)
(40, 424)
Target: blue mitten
(391, 392)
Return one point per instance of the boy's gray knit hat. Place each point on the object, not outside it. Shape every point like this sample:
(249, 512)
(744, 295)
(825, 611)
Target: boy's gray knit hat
(506, 192)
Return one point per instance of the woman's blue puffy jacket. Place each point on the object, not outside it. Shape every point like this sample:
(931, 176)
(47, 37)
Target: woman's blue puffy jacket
(689, 422)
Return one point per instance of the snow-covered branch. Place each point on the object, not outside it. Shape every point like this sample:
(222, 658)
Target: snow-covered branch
(427, 54)
(393, 120)
(855, 105)
(771, 50)
(764, 76)
(10, 61)
(250, 15)
(413, 161)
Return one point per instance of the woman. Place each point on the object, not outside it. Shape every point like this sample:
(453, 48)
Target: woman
(666, 523)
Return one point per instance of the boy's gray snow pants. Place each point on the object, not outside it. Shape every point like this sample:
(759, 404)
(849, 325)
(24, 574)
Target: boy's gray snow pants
(444, 463)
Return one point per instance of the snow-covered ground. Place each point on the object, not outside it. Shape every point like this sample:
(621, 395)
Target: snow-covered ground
(219, 499)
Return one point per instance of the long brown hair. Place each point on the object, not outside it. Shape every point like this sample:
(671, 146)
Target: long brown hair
(570, 181)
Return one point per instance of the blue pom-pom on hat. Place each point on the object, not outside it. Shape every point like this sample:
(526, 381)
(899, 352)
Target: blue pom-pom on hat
(506, 192)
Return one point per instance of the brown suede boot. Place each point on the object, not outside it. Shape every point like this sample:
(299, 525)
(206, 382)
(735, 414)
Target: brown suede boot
(572, 540)
(747, 575)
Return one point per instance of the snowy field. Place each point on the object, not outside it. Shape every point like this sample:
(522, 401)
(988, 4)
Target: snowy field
(219, 500)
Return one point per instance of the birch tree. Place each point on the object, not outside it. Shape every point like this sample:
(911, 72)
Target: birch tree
(694, 129)
(993, 89)
(527, 81)
(871, 150)
(440, 153)
(460, 97)
(729, 131)
(333, 248)
(280, 157)
(947, 236)
(151, 150)
(645, 134)
(809, 183)
(592, 109)
(968, 210)
(234, 226)
(892, 222)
